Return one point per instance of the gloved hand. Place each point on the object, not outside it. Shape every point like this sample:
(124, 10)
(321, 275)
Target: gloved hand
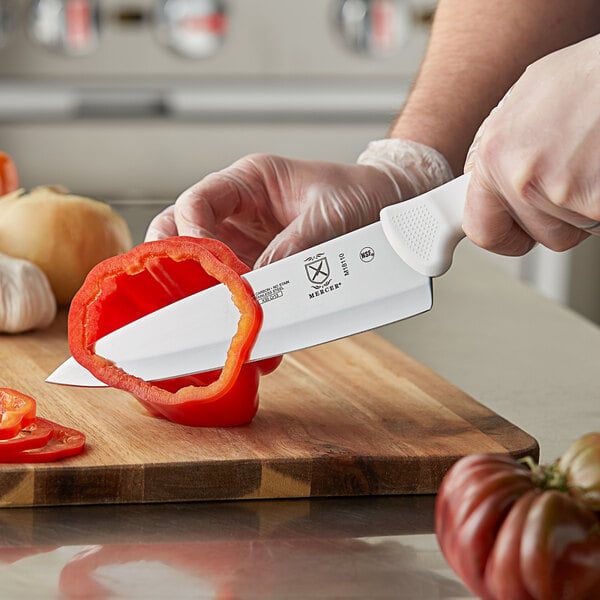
(265, 207)
(536, 158)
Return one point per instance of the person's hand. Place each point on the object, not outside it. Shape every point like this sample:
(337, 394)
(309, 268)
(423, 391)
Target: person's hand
(536, 160)
(265, 207)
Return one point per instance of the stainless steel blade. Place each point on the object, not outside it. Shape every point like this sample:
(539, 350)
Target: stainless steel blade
(348, 285)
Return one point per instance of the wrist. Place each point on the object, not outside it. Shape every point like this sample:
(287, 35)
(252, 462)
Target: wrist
(413, 167)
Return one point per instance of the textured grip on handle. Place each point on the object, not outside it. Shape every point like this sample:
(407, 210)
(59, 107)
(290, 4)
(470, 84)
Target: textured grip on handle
(425, 230)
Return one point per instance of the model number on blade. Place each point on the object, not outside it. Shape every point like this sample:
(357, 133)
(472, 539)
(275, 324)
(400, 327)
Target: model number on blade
(271, 293)
(344, 264)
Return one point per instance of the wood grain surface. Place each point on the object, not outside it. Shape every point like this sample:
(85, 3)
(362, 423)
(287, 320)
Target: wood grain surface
(353, 417)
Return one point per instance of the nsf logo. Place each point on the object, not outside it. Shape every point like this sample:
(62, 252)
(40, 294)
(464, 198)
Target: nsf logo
(367, 254)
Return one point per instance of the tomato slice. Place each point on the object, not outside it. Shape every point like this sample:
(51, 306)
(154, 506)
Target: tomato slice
(34, 435)
(62, 443)
(17, 410)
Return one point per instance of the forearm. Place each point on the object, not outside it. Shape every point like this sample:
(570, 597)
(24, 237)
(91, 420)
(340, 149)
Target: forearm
(477, 50)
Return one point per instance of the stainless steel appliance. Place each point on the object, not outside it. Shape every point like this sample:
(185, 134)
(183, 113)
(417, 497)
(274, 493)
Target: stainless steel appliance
(133, 101)
(164, 92)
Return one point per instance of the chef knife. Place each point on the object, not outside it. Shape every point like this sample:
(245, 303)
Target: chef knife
(362, 280)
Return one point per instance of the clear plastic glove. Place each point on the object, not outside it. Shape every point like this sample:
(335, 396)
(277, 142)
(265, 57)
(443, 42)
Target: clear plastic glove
(265, 207)
(535, 160)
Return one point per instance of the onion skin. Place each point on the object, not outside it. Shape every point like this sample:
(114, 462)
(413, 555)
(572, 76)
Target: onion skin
(63, 234)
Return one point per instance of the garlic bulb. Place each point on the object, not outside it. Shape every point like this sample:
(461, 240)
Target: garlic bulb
(26, 298)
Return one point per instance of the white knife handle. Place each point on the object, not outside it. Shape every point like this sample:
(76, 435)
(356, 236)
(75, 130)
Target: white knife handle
(425, 230)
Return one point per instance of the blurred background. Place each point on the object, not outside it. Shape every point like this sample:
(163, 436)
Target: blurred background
(133, 101)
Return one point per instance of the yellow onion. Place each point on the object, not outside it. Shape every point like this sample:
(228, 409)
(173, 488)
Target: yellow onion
(63, 234)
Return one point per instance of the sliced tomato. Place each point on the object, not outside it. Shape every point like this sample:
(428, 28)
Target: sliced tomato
(63, 442)
(34, 435)
(17, 410)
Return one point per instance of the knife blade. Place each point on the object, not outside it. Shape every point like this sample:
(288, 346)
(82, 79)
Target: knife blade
(362, 280)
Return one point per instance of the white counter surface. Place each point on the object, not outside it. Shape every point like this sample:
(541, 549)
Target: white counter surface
(532, 361)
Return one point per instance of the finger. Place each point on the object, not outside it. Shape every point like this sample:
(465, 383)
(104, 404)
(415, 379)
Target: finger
(493, 228)
(307, 230)
(474, 148)
(547, 222)
(162, 225)
(287, 242)
(324, 217)
(511, 226)
(201, 208)
(238, 189)
(489, 223)
(593, 229)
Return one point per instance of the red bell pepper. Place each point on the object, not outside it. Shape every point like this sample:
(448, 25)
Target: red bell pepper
(62, 442)
(16, 411)
(9, 177)
(152, 275)
(35, 435)
(25, 438)
(217, 568)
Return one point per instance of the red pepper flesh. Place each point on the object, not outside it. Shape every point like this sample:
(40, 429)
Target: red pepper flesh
(152, 275)
(62, 443)
(34, 435)
(9, 176)
(16, 411)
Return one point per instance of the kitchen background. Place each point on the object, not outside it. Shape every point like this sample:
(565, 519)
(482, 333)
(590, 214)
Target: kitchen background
(132, 101)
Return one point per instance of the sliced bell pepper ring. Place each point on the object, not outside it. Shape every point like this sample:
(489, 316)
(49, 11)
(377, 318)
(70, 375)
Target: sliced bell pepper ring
(63, 442)
(208, 563)
(152, 275)
(34, 435)
(16, 411)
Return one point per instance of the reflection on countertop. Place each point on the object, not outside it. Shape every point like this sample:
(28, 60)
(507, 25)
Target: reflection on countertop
(326, 548)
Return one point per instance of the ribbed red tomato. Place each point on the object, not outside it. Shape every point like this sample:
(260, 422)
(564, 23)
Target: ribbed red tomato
(513, 532)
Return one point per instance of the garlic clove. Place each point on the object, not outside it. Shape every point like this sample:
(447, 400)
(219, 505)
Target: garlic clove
(26, 298)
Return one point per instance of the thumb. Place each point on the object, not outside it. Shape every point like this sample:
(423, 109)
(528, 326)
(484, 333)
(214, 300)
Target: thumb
(162, 225)
(327, 214)
(285, 243)
(474, 148)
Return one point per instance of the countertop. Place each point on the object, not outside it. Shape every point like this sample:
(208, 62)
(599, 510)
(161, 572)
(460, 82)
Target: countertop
(532, 361)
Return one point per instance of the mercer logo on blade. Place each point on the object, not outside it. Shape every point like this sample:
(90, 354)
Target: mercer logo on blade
(319, 274)
(317, 270)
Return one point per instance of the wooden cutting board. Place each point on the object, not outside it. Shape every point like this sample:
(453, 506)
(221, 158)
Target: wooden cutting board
(353, 417)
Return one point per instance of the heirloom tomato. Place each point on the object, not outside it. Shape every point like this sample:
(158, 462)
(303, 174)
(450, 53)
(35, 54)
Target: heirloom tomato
(514, 530)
